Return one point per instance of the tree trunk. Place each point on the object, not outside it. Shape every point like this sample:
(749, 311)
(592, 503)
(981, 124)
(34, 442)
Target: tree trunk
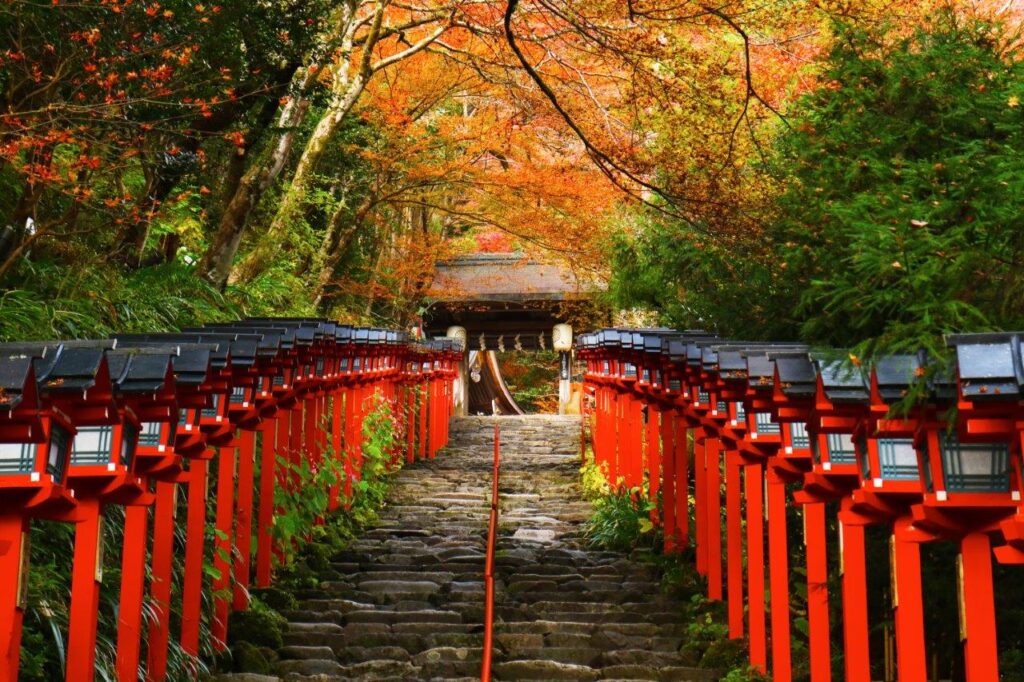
(335, 245)
(371, 296)
(216, 262)
(236, 165)
(294, 198)
(15, 231)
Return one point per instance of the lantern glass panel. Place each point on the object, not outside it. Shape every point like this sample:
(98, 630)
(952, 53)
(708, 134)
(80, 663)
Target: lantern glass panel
(741, 411)
(974, 467)
(865, 458)
(92, 445)
(57, 455)
(212, 412)
(17, 458)
(898, 459)
(926, 468)
(764, 424)
(150, 434)
(129, 441)
(237, 395)
(798, 435)
(841, 449)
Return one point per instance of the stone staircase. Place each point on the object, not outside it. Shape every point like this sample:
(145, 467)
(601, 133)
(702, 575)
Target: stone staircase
(410, 603)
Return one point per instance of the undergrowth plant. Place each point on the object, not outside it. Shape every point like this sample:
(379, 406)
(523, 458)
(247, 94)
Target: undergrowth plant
(622, 521)
(381, 437)
(44, 640)
(310, 534)
(305, 500)
(593, 477)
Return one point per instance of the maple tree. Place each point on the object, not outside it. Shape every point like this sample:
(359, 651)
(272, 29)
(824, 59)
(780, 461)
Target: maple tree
(328, 153)
(756, 168)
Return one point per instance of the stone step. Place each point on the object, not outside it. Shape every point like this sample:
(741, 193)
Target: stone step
(543, 670)
(579, 655)
(405, 600)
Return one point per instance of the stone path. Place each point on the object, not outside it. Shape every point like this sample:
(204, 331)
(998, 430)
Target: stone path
(410, 605)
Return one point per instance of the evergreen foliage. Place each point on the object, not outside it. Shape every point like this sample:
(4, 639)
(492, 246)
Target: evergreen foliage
(900, 214)
(902, 219)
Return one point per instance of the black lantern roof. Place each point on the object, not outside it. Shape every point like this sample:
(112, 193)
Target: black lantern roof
(652, 342)
(271, 340)
(989, 365)
(676, 349)
(301, 331)
(17, 381)
(843, 383)
(62, 367)
(305, 336)
(191, 362)
(241, 349)
(219, 349)
(760, 370)
(761, 359)
(141, 370)
(43, 355)
(325, 330)
(796, 374)
(732, 363)
(693, 353)
(895, 373)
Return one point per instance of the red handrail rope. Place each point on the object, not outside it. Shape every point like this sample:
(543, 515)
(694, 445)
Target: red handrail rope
(492, 534)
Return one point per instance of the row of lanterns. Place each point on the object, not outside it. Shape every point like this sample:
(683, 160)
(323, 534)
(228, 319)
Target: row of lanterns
(768, 416)
(132, 420)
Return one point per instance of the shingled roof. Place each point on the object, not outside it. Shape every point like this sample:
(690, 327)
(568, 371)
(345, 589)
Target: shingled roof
(506, 300)
(505, 277)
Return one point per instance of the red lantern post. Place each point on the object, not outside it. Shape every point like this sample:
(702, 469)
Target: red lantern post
(35, 445)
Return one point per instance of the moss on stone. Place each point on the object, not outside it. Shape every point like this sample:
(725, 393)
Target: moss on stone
(259, 626)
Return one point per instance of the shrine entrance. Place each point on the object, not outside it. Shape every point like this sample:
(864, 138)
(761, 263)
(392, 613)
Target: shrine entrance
(508, 302)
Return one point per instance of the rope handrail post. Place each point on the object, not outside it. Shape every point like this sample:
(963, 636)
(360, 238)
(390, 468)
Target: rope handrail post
(492, 534)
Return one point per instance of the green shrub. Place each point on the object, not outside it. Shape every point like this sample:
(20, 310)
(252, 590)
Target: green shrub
(622, 521)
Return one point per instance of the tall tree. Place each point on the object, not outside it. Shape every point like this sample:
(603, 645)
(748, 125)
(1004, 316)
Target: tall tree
(365, 38)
